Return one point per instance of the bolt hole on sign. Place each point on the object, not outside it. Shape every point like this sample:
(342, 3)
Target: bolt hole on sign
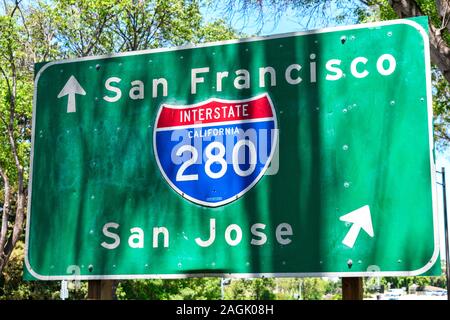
(287, 155)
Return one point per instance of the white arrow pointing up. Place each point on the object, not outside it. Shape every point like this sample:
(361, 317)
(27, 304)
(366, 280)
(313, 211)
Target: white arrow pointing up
(361, 219)
(71, 88)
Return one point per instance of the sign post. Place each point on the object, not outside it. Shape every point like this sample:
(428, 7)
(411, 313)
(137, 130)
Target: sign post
(305, 154)
(447, 251)
(352, 288)
(100, 290)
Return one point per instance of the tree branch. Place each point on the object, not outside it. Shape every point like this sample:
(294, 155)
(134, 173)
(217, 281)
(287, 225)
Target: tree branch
(6, 78)
(93, 41)
(443, 9)
(12, 110)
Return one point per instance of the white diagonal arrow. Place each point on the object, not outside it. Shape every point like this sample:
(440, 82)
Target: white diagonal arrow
(361, 219)
(71, 88)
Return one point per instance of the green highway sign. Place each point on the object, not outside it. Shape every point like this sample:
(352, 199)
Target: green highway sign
(303, 154)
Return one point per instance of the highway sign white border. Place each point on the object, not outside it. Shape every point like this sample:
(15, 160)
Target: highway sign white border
(419, 271)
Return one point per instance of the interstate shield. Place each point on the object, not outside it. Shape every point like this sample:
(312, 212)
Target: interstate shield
(213, 152)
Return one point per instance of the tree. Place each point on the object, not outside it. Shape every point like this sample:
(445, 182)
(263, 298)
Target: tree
(15, 126)
(199, 289)
(182, 289)
(313, 288)
(155, 24)
(237, 290)
(38, 31)
(100, 27)
(251, 289)
(263, 289)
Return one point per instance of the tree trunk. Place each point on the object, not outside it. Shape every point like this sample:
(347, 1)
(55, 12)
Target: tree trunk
(5, 217)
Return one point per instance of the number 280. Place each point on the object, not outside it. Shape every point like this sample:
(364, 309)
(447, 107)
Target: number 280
(217, 158)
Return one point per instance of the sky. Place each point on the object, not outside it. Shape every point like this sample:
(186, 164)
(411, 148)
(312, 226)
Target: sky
(288, 22)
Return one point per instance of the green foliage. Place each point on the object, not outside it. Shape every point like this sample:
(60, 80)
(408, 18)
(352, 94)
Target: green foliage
(216, 31)
(313, 289)
(80, 24)
(372, 284)
(337, 296)
(12, 48)
(197, 289)
(420, 281)
(262, 289)
(183, 289)
(99, 27)
(12, 287)
(238, 290)
(379, 10)
(281, 289)
(288, 288)
(285, 296)
(429, 9)
(251, 289)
